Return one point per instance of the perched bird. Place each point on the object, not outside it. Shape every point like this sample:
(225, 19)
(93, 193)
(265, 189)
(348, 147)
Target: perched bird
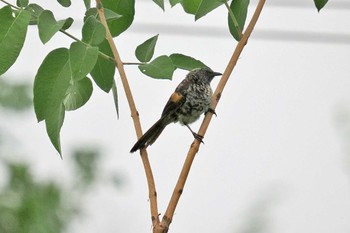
(191, 98)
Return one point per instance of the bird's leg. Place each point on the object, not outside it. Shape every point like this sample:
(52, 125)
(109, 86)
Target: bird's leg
(195, 135)
(211, 111)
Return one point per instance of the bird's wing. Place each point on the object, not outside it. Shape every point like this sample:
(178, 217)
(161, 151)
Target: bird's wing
(177, 98)
(174, 103)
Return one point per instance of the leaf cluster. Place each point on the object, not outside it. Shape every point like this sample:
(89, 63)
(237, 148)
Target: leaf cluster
(64, 80)
(162, 67)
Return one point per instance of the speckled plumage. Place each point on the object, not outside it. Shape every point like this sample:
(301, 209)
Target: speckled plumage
(196, 90)
(191, 98)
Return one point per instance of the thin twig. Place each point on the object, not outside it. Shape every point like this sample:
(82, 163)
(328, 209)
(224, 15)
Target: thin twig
(134, 63)
(134, 115)
(167, 218)
(10, 4)
(105, 56)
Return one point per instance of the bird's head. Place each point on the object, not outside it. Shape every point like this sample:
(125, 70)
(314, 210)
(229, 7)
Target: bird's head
(204, 73)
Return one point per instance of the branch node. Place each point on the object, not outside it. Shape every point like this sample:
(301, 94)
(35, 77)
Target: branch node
(218, 96)
(134, 114)
(98, 5)
(167, 222)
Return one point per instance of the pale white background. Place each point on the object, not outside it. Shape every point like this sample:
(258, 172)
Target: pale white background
(273, 158)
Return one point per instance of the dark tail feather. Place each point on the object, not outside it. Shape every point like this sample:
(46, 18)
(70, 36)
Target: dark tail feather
(149, 137)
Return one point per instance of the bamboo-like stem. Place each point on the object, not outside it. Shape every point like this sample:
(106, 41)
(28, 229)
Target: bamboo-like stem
(167, 218)
(134, 115)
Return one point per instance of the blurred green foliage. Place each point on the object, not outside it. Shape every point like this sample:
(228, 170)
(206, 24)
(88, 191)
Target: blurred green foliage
(30, 206)
(86, 164)
(15, 96)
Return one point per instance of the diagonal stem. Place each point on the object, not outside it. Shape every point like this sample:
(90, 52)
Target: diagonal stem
(13, 6)
(167, 218)
(134, 115)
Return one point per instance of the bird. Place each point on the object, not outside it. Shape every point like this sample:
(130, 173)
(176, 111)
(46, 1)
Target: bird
(191, 98)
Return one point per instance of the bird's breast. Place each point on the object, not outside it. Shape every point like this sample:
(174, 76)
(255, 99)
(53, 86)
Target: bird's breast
(197, 102)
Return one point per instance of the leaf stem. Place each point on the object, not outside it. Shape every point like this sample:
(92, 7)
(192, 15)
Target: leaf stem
(10, 4)
(105, 56)
(234, 20)
(72, 37)
(134, 63)
(167, 218)
(135, 117)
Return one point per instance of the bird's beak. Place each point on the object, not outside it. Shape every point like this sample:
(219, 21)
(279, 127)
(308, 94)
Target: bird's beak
(217, 74)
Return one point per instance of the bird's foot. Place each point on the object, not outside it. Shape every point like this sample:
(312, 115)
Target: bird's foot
(198, 137)
(211, 111)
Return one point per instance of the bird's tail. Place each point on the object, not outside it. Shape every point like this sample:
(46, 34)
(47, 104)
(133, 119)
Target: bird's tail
(150, 136)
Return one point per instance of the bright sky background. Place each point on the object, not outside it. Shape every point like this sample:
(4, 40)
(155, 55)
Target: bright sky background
(274, 153)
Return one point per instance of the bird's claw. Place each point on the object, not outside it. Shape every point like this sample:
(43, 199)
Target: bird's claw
(211, 111)
(198, 137)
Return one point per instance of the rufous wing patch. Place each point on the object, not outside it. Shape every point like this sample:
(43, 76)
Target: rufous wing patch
(176, 97)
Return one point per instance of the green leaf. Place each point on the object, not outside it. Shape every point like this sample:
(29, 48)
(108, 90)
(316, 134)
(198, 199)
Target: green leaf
(111, 15)
(67, 23)
(126, 8)
(53, 124)
(82, 60)
(87, 4)
(199, 8)
(48, 26)
(64, 3)
(104, 69)
(13, 31)
(115, 98)
(238, 13)
(22, 3)
(207, 6)
(50, 86)
(91, 12)
(174, 2)
(35, 11)
(144, 52)
(51, 83)
(78, 93)
(160, 3)
(185, 62)
(191, 6)
(93, 31)
(320, 4)
(160, 68)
